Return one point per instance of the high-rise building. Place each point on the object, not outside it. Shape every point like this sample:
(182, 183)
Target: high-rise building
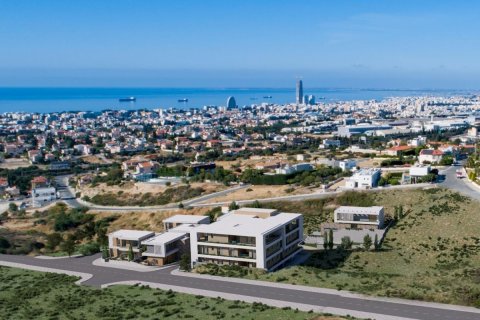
(231, 103)
(299, 92)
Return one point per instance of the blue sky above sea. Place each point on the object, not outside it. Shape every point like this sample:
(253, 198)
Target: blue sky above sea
(402, 44)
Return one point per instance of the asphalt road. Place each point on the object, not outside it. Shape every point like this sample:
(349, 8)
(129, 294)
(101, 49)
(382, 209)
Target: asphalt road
(68, 197)
(461, 185)
(104, 275)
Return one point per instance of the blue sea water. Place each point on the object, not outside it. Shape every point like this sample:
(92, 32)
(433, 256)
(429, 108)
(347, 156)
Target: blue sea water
(96, 99)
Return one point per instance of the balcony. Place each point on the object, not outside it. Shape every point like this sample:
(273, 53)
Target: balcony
(230, 241)
(272, 238)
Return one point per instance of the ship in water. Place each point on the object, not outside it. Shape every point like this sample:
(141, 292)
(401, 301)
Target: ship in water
(183, 100)
(128, 99)
(267, 97)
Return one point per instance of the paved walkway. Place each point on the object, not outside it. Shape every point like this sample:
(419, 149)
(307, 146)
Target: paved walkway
(305, 298)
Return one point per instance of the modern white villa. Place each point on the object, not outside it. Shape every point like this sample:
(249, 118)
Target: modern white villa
(251, 237)
(120, 241)
(364, 179)
(360, 217)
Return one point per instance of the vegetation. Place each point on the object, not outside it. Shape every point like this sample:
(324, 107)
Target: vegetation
(185, 262)
(174, 194)
(29, 294)
(113, 176)
(70, 228)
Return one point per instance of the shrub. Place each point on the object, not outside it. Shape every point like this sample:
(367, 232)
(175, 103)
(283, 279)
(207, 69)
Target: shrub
(346, 243)
(90, 248)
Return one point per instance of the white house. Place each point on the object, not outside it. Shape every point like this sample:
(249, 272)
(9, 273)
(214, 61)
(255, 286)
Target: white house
(418, 141)
(430, 156)
(360, 217)
(290, 169)
(348, 164)
(258, 238)
(43, 195)
(328, 143)
(364, 179)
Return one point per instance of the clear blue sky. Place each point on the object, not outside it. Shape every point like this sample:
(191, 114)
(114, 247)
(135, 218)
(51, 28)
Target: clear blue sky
(243, 43)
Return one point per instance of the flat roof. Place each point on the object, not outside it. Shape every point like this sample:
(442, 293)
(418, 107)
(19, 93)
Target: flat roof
(185, 218)
(165, 237)
(246, 225)
(183, 228)
(131, 234)
(360, 210)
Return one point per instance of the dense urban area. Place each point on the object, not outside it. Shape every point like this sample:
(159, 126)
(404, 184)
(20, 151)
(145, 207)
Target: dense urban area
(371, 197)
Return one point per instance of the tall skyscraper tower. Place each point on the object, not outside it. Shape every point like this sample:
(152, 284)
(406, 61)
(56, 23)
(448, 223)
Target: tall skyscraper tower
(299, 92)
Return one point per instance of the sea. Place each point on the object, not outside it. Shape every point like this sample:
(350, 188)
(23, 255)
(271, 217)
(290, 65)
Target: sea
(46, 100)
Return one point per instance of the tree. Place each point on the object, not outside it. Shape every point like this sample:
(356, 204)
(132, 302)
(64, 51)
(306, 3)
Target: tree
(376, 244)
(53, 240)
(185, 263)
(105, 253)
(233, 206)
(325, 240)
(102, 238)
(330, 239)
(12, 207)
(4, 243)
(346, 243)
(68, 246)
(367, 242)
(130, 253)
(256, 204)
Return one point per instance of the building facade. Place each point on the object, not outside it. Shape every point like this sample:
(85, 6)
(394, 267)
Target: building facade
(299, 93)
(360, 217)
(364, 179)
(256, 238)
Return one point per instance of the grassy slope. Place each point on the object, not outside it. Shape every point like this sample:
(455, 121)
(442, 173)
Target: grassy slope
(36, 295)
(431, 254)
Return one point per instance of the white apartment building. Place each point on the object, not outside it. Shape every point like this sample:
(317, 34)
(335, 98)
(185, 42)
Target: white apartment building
(358, 217)
(364, 179)
(257, 238)
(43, 195)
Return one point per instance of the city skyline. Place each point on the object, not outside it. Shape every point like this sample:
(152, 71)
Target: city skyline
(344, 44)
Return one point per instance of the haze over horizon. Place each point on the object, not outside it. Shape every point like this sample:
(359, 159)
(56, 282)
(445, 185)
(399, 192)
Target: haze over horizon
(346, 44)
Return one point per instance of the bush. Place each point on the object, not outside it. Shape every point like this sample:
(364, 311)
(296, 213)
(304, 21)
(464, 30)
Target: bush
(4, 243)
(64, 221)
(185, 264)
(53, 240)
(88, 249)
(347, 243)
(353, 198)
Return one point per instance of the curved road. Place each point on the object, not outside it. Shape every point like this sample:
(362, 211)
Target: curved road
(105, 275)
(461, 185)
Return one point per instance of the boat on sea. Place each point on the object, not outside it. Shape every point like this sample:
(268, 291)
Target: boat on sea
(183, 100)
(128, 99)
(267, 97)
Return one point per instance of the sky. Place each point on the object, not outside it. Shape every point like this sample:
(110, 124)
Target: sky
(249, 43)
